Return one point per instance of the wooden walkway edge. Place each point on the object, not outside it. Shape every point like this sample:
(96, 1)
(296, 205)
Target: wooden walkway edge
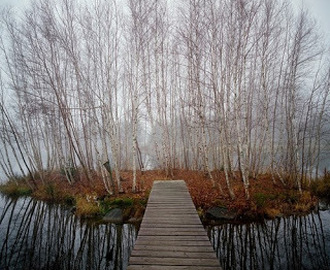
(171, 235)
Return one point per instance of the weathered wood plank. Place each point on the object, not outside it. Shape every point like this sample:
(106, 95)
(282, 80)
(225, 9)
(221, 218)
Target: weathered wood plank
(173, 221)
(174, 237)
(170, 212)
(174, 261)
(151, 224)
(194, 249)
(172, 254)
(156, 242)
(179, 267)
(172, 231)
(178, 228)
(171, 234)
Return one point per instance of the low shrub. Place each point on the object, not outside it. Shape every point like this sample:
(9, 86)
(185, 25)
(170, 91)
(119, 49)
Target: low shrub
(260, 199)
(121, 202)
(87, 208)
(14, 190)
(290, 197)
(48, 192)
(305, 197)
(321, 188)
(132, 207)
(69, 200)
(303, 207)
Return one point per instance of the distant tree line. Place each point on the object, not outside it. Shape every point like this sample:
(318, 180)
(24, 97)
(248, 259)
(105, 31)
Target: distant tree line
(205, 85)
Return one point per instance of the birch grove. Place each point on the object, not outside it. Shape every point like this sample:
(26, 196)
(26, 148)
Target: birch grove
(211, 85)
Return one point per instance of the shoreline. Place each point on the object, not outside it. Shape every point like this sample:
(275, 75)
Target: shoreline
(133, 215)
(91, 201)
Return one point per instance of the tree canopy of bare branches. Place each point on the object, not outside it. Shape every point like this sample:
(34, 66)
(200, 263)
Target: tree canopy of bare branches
(201, 85)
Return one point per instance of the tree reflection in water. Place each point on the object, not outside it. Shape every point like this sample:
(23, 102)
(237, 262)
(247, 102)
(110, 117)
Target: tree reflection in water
(299, 242)
(35, 235)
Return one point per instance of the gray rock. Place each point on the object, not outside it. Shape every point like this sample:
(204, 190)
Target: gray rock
(323, 206)
(218, 213)
(114, 216)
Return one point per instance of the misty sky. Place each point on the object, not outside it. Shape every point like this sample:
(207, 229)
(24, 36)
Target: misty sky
(319, 9)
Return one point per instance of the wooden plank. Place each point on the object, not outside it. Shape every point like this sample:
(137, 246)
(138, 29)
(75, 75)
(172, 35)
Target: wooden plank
(176, 204)
(170, 209)
(161, 215)
(179, 228)
(155, 242)
(194, 249)
(167, 214)
(158, 218)
(158, 212)
(172, 231)
(153, 224)
(172, 254)
(173, 222)
(164, 214)
(174, 261)
(171, 234)
(164, 267)
(174, 237)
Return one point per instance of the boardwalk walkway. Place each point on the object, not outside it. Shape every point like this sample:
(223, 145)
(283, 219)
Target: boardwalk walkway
(171, 235)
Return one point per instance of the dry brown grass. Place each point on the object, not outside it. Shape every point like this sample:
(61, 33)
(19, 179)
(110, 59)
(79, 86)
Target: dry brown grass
(87, 206)
(267, 198)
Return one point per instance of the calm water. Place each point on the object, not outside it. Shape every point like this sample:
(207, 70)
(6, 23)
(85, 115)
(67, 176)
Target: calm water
(287, 243)
(35, 235)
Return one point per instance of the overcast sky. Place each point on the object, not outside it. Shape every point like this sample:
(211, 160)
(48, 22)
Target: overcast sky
(319, 9)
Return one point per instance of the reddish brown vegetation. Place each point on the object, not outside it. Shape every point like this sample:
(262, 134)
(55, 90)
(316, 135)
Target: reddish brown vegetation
(267, 199)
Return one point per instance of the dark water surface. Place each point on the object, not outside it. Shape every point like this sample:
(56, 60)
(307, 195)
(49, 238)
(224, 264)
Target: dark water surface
(297, 242)
(36, 235)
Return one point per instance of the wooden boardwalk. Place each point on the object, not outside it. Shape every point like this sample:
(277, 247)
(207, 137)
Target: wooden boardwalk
(171, 235)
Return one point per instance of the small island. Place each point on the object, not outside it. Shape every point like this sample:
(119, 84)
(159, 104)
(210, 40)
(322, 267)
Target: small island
(90, 199)
(100, 98)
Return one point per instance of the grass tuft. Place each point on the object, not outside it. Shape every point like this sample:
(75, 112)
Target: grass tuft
(261, 199)
(321, 188)
(15, 190)
(87, 208)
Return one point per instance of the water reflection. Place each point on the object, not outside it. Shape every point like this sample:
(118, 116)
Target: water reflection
(287, 243)
(34, 235)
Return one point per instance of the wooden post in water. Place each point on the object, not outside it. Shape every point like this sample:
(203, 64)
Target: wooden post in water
(171, 235)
